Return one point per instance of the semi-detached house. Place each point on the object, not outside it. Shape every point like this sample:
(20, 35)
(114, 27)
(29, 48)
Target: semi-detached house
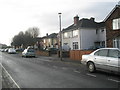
(112, 22)
(84, 34)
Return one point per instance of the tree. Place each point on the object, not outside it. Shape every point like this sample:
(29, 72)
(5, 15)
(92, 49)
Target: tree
(27, 38)
(34, 31)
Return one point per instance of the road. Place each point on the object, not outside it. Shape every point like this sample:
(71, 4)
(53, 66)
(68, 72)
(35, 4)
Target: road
(44, 73)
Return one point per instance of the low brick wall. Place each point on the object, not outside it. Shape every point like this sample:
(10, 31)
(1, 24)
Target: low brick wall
(77, 54)
(42, 53)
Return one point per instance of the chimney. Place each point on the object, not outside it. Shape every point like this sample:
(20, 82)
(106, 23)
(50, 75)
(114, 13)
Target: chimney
(92, 19)
(46, 34)
(76, 19)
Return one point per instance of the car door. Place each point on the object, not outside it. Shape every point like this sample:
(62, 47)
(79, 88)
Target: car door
(101, 58)
(113, 60)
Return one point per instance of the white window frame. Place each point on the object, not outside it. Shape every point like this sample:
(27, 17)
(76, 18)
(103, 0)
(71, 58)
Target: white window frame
(75, 46)
(116, 24)
(75, 33)
(116, 42)
(65, 34)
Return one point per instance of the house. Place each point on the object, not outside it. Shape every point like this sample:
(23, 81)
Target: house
(112, 22)
(3, 45)
(50, 40)
(84, 34)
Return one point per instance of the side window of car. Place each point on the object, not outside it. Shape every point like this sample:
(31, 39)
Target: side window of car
(103, 52)
(113, 53)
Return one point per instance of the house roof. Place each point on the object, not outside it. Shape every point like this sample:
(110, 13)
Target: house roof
(53, 35)
(117, 6)
(85, 23)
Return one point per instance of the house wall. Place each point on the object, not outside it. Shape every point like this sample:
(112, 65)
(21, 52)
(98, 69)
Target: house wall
(110, 33)
(71, 39)
(102, 34)
(88, 37)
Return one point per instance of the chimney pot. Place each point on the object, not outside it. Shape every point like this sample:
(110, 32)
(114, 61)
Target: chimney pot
(93, 19)
(76, 19)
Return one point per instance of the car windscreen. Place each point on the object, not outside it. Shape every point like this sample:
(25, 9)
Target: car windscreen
(31, 50)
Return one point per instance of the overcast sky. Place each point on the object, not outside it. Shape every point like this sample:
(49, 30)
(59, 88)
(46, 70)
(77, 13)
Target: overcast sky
(19, 15)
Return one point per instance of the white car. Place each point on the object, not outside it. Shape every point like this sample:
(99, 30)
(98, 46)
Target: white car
(104, 59)
(29, 52)
(11, 51)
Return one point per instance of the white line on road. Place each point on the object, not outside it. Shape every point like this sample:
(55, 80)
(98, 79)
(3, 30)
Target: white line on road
(113, 80)
(76, 71)
(91, 75)
(64, 68)
(11, 77)
(55, 66)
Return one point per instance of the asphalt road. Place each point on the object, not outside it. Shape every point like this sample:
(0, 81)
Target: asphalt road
(41, 72)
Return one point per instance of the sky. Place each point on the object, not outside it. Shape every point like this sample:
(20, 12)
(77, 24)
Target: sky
(19, 15)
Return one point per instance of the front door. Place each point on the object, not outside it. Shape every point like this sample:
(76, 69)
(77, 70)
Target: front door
(113, 60)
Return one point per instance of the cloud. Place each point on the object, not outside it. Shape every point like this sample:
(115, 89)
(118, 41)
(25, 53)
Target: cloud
(19, 15)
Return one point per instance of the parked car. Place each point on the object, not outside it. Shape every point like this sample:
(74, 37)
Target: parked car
(6, 50)
(29, 53)
(19, 50)
(104, 59)
(11, 51)
(2, 50)
(52, 50)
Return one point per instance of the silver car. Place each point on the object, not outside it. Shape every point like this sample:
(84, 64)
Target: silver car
(104, 59)
(29, 53)
(11, 51)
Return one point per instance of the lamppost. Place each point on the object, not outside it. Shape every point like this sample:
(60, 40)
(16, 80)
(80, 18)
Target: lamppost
(60, 36)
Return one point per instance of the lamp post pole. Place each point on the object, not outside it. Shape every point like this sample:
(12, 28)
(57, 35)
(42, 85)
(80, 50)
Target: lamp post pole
(60, 37)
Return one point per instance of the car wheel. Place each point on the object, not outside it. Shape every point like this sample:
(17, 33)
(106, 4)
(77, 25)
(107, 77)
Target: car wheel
(91, 67)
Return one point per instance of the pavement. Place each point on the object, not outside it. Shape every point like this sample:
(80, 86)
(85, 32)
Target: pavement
(65, 60)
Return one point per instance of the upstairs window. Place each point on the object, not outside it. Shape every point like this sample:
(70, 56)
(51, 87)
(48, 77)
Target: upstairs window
(116, 24)
(65, 35)
(75, 33)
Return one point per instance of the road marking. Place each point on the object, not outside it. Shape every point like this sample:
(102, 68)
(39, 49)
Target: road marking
(45, 60)
(11, 77)
(91, 75)
(113, 80)
(76, 71)
(55, 66)
(64, 68)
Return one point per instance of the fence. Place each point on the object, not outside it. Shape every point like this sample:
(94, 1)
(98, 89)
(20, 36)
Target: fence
(42, 53)
(77, 54)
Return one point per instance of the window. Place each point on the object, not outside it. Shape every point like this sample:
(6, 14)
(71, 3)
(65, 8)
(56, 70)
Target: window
(65, 35)
(113, 53)
(116, 24)
(75, 33)
(102, 52)
(75, 45)
(116, 42)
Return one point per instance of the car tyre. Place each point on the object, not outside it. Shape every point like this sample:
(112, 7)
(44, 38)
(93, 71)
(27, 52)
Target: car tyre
(91, 67)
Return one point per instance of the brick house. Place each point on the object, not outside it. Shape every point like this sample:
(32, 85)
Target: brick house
(112, 22)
